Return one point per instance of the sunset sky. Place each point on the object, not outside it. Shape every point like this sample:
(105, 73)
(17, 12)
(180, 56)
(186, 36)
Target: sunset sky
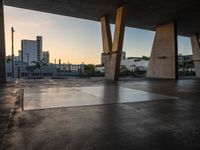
(72, 39)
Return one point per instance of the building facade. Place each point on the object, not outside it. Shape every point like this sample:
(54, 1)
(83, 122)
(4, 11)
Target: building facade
(22, 70)
(31, 50)
(46, 57)
(71, 67)
(130, 64)
(133, 64)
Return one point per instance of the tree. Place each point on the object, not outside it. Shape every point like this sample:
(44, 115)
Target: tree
(145, 58)
(8, 59)
(37, 65)
(89, 68)
(124, 71)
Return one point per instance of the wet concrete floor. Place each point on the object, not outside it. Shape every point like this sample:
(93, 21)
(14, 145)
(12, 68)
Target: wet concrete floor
(169, 120)
(41, 98)
(7, 104)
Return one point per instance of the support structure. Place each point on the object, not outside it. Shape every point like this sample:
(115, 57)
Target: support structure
(112, 50)
(2, 45)
(163, 60)
(196, 53)
(12, 37)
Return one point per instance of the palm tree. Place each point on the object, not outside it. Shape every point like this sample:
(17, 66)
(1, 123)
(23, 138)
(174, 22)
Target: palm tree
(37, 65)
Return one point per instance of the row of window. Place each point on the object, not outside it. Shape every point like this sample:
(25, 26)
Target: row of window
(9, 74)
(42, 74)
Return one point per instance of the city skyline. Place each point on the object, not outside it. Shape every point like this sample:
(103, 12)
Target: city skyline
(74, 40)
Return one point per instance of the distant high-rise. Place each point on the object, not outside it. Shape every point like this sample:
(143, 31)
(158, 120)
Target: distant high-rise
(46, 56)
(31, 50)
(39, 48)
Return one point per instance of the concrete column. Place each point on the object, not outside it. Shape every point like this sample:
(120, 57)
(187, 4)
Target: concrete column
(112, 52)
(106, 35)
(163, 60)
(196, 53)
(2, 45)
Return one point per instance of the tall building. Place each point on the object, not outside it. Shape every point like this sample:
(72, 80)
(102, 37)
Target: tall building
(31, 50)
(46, 56)
(39, 48)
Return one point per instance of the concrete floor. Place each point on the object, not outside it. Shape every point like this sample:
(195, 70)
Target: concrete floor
(8, 96)
(171, 122)
(56, 97)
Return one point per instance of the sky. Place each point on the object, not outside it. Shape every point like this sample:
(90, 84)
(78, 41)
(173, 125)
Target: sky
(74, 40)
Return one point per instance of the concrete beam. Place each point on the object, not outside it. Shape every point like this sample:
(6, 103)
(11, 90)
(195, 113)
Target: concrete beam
(112, 52)
(144, 14)
(2, 45)
(196, 53)
(163, 60)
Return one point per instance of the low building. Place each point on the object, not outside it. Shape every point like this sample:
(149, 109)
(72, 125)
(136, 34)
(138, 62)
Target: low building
(133, 64)
(45, 71)
(130, 64)
(22, 70)
(19, 69)
(71, 67)
(100, 69)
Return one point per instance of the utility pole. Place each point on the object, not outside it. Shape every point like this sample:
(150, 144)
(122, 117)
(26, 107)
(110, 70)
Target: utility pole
(28, 58)
(12, 32)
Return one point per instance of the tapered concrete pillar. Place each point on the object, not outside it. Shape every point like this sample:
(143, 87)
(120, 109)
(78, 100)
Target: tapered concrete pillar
(163, 60)
(112, 51)
(196, 53)
(2, 45)
(106, 35)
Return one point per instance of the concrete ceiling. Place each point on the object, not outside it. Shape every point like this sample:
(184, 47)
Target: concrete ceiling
(145, 14)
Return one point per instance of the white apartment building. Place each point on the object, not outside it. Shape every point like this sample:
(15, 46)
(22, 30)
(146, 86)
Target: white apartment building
(132, 64)
(100, 69)
(31, 50)
(71, 67)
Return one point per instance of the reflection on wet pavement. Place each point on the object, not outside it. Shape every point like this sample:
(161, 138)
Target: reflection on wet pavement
(41, 98)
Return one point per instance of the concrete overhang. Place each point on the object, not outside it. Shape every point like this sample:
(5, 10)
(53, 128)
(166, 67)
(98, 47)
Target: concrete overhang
(144, 14)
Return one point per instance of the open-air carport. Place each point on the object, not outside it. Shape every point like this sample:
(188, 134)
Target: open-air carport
(99, 114)
(168, 19)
